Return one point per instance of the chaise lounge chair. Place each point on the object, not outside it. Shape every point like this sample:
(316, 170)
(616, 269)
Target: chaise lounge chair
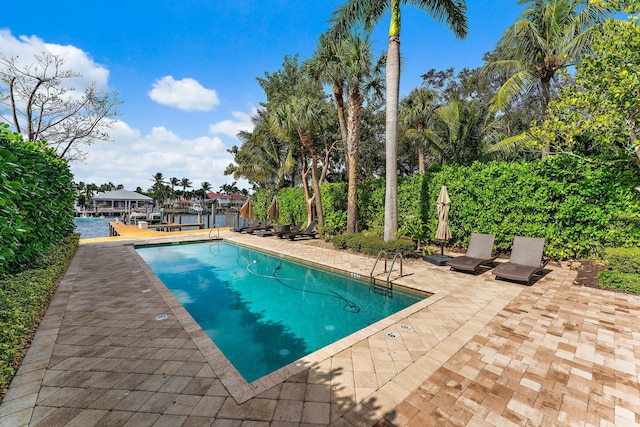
(310, 232)
(239, 229)
(524, 262)
(295, 229)
(260, 226)
(478, 254)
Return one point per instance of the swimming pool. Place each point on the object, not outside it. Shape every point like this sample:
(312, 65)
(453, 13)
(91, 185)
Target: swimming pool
(263, 311)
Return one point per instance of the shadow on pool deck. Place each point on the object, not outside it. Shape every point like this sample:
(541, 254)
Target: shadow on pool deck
(481, 352)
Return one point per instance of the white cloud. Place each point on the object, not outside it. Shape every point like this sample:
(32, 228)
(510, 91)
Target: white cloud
(132, 159)
(232, 127)
(186, 94)
(24, 48)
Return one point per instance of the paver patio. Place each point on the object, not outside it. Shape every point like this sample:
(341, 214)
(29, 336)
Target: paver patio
(478, 352)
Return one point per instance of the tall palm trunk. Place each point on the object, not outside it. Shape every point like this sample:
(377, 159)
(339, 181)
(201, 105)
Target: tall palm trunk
(352, 147)
(391, 143)
(338, 95)
(308, 198)
(546, 99)
(421, 168)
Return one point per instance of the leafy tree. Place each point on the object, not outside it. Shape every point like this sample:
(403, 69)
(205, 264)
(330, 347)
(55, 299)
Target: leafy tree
(603, 107)
(35, 101)
(369, 12)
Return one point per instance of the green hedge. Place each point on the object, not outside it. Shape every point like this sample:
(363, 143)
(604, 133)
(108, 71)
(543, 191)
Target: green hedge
(578, 206)
(371, 244)
(23, 297)
(36, 200)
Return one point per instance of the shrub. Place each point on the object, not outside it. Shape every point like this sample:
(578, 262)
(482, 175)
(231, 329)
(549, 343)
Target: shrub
(371, 244)
(624, 260)
(24, 295)
(615, 280)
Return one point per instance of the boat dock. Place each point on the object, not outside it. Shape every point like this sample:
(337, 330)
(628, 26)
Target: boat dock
(117, 228)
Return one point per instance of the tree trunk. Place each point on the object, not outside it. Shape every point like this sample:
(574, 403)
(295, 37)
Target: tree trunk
(352, 147)
(337, 94)
(421, 168)
(546, 98)
(352, 196)
(316, 190)
(308, 144)
(391, 144)
(308, 198)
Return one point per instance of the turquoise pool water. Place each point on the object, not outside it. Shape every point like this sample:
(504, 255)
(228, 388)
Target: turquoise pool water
(262, 311)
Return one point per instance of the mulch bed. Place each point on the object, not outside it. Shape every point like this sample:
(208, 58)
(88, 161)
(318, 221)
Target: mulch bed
(587, 273)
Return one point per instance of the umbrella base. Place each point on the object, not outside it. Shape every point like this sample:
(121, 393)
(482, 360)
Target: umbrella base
(438, 260)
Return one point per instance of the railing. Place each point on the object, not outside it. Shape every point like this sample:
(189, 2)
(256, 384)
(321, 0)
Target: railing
(388, 288)
(215, 227)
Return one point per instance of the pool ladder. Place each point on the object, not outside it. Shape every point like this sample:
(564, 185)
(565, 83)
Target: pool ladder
(387, 288)
(215, 227)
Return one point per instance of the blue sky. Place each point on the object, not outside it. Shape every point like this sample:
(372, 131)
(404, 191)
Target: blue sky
(186, 70)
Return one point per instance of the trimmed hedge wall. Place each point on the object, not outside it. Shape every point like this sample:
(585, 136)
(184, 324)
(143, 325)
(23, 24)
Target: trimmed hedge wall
(36, 200)
(578, 206)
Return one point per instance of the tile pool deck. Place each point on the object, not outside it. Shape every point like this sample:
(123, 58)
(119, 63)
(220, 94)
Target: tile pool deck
(478, 352)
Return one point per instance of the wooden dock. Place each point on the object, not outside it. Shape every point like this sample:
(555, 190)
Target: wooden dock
(174, 226)
(133, 231)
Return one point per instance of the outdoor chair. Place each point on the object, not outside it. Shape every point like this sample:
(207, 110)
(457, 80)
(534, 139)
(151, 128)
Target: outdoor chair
(524, 262)
(260, 226)
(310, 232)
(479, 253)
(295, 229)
(239, 229)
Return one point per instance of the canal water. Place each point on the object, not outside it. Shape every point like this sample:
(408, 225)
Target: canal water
(90, 228)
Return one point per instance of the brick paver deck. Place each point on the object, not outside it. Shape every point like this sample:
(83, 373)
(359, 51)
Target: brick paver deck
(478, 352)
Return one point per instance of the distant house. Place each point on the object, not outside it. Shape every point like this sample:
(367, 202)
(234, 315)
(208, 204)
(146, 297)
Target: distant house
(120, 201)
(228, 200)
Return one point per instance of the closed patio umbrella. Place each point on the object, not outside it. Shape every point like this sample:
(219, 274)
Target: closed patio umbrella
(443, 234)
(273, 213)
(246, 210)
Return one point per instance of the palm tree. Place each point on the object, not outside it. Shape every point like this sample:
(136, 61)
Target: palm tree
(174, 183)
(158, 187)
(347, 64)
(185, 183)
(464, 132)
(204, 188)
(263, 158)
(549, 36)
(303, 116)
(369, 12)
(417, 111)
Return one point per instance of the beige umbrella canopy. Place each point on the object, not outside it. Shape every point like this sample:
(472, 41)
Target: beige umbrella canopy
(273, 213)
(443, 234)
(246, 210)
